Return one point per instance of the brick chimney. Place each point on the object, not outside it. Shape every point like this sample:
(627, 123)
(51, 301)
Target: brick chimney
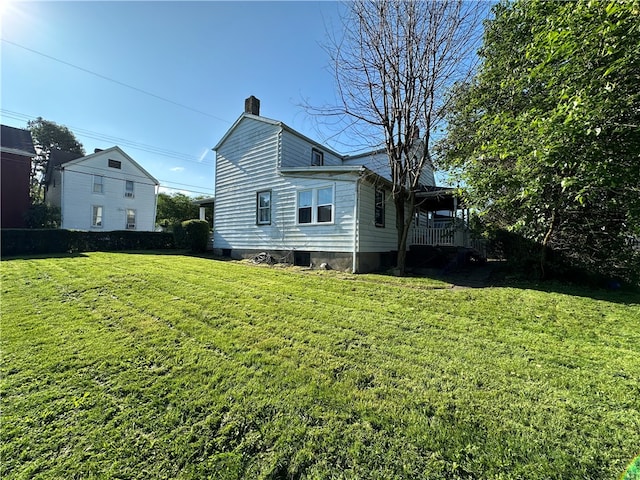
(252, 105)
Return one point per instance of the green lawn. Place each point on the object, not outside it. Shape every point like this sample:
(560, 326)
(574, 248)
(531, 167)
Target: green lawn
(166, 366)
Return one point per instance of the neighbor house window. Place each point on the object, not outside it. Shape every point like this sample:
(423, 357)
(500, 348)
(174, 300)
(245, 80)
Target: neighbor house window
(115, 164)
(379, 208)
(128, 188)
(263, 213)
(317, 158)
(316, 205)
(96, 216)
(98, 183)
(131, 219)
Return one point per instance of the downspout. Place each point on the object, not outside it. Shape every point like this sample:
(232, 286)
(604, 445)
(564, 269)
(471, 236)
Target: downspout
(61, 197)
(356, 224)
(156, 189)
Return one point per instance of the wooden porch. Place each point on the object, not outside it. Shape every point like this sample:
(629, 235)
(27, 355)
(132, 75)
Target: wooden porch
(442, 220)
(453, 233)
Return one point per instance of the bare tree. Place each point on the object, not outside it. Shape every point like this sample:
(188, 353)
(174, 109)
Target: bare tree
(393, 65)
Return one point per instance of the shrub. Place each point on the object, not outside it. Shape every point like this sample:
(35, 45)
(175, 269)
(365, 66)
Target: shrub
(42, 215)
(195, 235)
(39, 241)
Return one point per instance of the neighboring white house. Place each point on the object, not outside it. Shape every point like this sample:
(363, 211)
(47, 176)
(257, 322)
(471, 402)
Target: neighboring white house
(280, 192)
(104, 191)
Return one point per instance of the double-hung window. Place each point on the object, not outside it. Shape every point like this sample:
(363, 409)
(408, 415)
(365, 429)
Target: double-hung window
(96, 216)
(263, 208)
(98, 184)
(128, 188)
(131, 219)
(315, 205)
(379, 207)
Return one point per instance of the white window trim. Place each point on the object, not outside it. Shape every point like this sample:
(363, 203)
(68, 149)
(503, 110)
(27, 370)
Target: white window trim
(126, 219)
(93, 224)
(127, 193)
(101, 183)
(315, 205)
(258, 209)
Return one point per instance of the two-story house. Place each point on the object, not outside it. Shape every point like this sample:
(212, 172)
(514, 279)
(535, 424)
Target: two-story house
(104, 191)
(280, 192)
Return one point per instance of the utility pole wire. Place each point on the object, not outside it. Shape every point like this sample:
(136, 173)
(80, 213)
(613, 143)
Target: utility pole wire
(118, 82)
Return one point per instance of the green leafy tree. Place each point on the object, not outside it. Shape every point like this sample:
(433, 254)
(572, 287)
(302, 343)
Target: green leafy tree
(176, 208)
(47, 136)
(546, 137)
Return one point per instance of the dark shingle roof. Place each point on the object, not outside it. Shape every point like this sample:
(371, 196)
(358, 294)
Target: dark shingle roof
(16, 140)
(57, 158)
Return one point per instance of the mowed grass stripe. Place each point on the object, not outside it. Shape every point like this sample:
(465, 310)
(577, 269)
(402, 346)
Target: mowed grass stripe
(139, 366)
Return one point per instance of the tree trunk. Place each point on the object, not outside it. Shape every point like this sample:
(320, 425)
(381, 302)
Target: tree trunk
(404, 218)
(545, 242)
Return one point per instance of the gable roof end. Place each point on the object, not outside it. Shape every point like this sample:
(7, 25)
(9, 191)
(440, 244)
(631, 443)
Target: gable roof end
(110, 150)
(17, 141)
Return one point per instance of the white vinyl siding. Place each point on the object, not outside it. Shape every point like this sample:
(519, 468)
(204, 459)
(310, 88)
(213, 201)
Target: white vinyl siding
(76, 192)
(247, 162)
(372, 238)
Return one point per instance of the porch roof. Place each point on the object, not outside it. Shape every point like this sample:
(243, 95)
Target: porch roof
(432, 199)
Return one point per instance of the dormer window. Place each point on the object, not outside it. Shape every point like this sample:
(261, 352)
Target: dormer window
(317, 158)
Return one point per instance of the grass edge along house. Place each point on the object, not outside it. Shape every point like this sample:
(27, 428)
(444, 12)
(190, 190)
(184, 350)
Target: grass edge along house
(278, 191)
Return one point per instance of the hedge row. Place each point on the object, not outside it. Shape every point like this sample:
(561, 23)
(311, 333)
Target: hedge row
(37, 241)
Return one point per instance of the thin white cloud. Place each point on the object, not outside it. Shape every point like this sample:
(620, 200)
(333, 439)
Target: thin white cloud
(177, 169)
(203, 155)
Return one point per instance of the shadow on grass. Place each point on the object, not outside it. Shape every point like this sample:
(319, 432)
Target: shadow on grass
(495, 274)
(42, 256)
(474, 276)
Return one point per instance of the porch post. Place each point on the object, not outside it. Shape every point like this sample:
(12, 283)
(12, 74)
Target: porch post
(202, 213)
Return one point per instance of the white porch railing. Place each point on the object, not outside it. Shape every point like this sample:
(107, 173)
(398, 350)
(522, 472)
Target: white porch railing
(441, 235)
(447, 234)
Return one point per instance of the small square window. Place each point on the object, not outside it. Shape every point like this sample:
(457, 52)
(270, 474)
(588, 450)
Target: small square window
(115, 164)
(317, 158)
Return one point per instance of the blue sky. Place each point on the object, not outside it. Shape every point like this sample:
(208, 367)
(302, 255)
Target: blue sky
(207, 56)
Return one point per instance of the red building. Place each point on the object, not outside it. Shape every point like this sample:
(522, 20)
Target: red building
(16, 151)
